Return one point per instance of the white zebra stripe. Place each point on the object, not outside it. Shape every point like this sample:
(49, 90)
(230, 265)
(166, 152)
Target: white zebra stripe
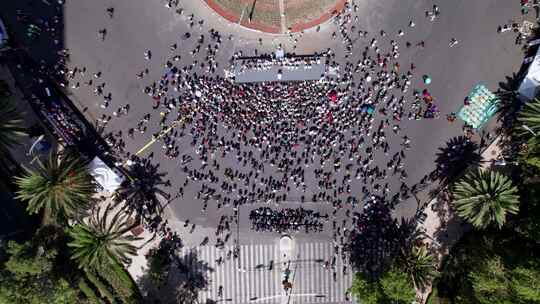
(310, 277)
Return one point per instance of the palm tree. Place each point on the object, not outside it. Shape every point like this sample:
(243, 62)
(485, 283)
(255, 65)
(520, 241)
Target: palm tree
(141, 193)
(102, 239)
(529, 118)
(485, 197)
(11, 130)
(11, 126)
(419, 264)
(61, 188)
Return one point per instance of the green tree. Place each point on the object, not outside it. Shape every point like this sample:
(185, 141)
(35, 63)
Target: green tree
(419, 264)
(397, 287)
(528, 223)
(529, 117)
(485, 197)
(29, 276)
(60, 188)
(121, 282)
(11, 131)
(525, 285)
(490, 283)
(493, 282)
(530, 154)
(394, 287)
(364, 291)
(162, 258)
(103, 289)
(102, 239)
(89, 292)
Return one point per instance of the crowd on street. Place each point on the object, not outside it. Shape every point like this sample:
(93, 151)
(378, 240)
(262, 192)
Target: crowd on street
(320, 142)
(337, 144)
(279, 134)
(286, 220)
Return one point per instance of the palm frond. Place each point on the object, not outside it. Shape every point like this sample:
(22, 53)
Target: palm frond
(102, 238)
(61, 187)
(529, 116)
(11, 125)
(419, 264)
(485, 197)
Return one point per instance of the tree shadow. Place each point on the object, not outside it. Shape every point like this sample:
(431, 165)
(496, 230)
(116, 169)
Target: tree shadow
(143, 192)
(454, 158)
(378, 238)
(449, 233)
(509, 104)
(187, 277)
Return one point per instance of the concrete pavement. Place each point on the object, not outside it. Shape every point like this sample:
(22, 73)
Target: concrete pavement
(442, 226)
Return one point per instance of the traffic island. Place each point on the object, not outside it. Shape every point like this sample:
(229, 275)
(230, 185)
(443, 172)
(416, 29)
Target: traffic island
(277, 16)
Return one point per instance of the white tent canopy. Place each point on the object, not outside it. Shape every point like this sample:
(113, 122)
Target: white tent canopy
(105, 176)
(3, 34)
(529, 86)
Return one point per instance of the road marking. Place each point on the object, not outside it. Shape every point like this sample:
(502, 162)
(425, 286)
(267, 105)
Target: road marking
(161, 134)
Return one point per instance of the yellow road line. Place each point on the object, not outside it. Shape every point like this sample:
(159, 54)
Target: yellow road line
(163, 133)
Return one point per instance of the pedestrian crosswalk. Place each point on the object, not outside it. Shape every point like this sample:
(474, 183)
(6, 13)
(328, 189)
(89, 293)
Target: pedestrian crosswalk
(314, 283)
(249, 279)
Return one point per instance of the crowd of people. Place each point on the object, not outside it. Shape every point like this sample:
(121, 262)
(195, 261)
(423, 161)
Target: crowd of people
(277, 59)
(305, 141)
(337, 143)
(334, 142)
(286, 220)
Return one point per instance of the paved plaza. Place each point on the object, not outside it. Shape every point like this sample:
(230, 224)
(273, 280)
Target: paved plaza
(147, 43)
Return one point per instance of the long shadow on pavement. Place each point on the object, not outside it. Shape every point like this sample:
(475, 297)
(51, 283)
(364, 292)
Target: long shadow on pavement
(188, 275)
(455, 157)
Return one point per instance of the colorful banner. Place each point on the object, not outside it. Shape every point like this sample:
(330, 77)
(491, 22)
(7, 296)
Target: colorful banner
(481, 104)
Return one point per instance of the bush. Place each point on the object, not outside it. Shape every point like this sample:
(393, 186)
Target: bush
(395, 287)
(491, 267)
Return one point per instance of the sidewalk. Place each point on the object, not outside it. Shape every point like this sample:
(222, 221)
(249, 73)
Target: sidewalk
(442, 227)
(15, 221)
(21, 153)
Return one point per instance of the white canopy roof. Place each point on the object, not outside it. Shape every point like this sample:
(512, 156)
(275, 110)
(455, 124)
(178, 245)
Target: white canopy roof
(3, 34)
(105, 176)
(529, 86)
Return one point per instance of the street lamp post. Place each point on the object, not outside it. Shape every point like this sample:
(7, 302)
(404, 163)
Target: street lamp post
(37, 141)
